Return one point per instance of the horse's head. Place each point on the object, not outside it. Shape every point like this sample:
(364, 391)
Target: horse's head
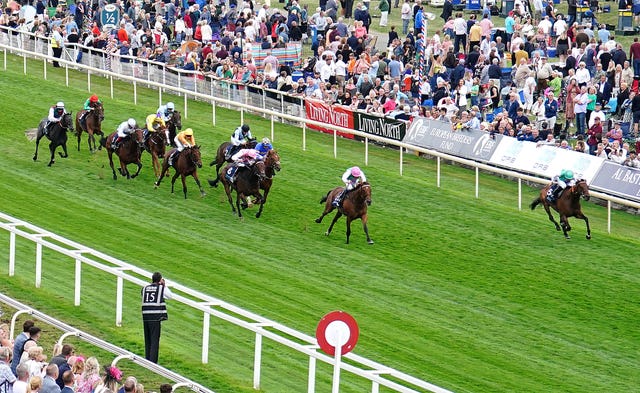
(138, 136)
(67, 121)
(176, 119)
(272, 160)
(194, 155)
(582, 189)
(365, 189)
(99, 111)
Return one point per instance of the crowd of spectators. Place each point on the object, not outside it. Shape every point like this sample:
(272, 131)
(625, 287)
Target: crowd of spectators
(24, 368)
(457, 74)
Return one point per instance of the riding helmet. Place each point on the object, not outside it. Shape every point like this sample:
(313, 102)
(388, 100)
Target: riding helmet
(568, 174)
(245, 128)
(60, 104)
(94, 98)
(355, 171)
(188, 132)
(131, 123)
(171, 106)
(266, 141)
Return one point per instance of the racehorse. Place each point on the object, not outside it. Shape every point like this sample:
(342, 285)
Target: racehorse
(155, 145)
(129, 152)
(221, 157)
(247, 184)
(174, 122)
(186, 164)
(354, 206)
(57, 135)
(92, 126)
(272, 165)
(567, 205)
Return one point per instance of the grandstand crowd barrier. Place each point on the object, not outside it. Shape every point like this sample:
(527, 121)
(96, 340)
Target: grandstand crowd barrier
(120, 353)
(378, 374)
(622, 182)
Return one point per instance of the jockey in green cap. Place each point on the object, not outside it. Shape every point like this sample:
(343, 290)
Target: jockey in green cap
(559, 183)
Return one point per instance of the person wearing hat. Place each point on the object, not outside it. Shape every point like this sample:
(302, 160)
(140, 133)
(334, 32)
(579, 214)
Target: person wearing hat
(240, 137)
(351, 178)
(55, 115)
(182, 140)
(91, 103)
(559, 183)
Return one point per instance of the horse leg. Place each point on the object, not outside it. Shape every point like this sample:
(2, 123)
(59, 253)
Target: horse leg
(262, 202)
(183, 177)
(349, 219)
(64, 149)
(155, 163)
(91, 141)
(195, 176)
(227, 190)
(553, 220)
(364, 219)
(115, 177)
(564, 222)
(79, 135)
(35, 155)
(238, 198)
(173, 180)
(335, 218)
(586, 221)
(52, 149)
(165, 168)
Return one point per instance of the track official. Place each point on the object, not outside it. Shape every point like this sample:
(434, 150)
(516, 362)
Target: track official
(154, 311)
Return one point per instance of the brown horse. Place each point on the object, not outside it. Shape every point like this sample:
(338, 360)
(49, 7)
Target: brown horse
(271, 166)
(354, 206)
(92, 125)
(247, 184)
(129, 152)
(567, 205)
(174, 123)
(186, 164)
(221, 157)
(155, 145)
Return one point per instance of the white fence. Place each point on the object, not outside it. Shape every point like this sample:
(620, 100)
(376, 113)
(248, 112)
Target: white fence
(262, 327)
(120, 353)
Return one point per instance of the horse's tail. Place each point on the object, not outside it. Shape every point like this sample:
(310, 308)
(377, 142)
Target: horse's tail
(535, 203)
(324, 198)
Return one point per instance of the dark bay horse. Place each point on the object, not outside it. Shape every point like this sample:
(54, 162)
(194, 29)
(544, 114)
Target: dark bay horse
(354, 206)
(174, 123)
(154, 143)
(567, 205)
(129, 152)
(271, 166)
(247, 184)
(93, 123)
(221, 156)
(186, 164)
(57, 135)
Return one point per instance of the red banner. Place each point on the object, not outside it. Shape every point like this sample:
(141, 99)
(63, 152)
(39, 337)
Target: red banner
(334, 115)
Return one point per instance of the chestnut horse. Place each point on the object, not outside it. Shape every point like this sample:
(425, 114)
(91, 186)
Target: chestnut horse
(57, 135)
(354, 206)
(186, 164)
(93, 122)
(221, 157)
(129, 152)
(567, 205)
(155, 145)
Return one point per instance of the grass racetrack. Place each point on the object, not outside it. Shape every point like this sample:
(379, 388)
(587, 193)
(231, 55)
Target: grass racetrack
(469, 294)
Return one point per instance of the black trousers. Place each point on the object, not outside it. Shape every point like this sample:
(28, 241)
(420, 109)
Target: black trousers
(151, 340)
(57, 52)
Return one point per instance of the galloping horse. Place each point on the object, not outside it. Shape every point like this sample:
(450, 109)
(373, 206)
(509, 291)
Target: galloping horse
(155, 145)
(247, 184)
(128, 152)
(186, 164)
(272, 165)
(174, 122)
(354, 206)
(221, 156)
(567, 205)
(57, 135)
(93, 123)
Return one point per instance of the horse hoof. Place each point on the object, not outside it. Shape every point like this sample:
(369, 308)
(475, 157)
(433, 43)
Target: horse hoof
(115, 177)
(326, 233)
(370, 241)
(318, 221)
(203, 194)
(257, 215)
(567, 237)
(35, 158)
(588, 237)
(212, 163)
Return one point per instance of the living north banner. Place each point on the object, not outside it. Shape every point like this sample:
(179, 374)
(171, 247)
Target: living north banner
(380, 126)
(333, 115)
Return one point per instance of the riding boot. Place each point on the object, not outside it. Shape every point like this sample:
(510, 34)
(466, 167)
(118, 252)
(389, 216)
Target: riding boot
(338, 199)
(114, 143)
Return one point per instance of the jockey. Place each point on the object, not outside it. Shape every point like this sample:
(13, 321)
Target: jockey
(559, 183)
(240, 136)
(55, 115)
(125, 129)
(154, 122)
(243, 158)
(89, 104)
(351, 178)
(264, 146)
(183, 139)
(166, 110)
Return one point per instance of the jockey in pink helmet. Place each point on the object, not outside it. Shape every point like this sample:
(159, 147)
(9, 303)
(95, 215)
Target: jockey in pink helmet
(351, 178)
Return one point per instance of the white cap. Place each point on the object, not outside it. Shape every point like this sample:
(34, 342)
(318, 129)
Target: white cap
(131, 122)
(60, 104)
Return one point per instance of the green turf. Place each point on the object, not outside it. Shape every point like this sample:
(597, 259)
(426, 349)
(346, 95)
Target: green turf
(469, 294)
